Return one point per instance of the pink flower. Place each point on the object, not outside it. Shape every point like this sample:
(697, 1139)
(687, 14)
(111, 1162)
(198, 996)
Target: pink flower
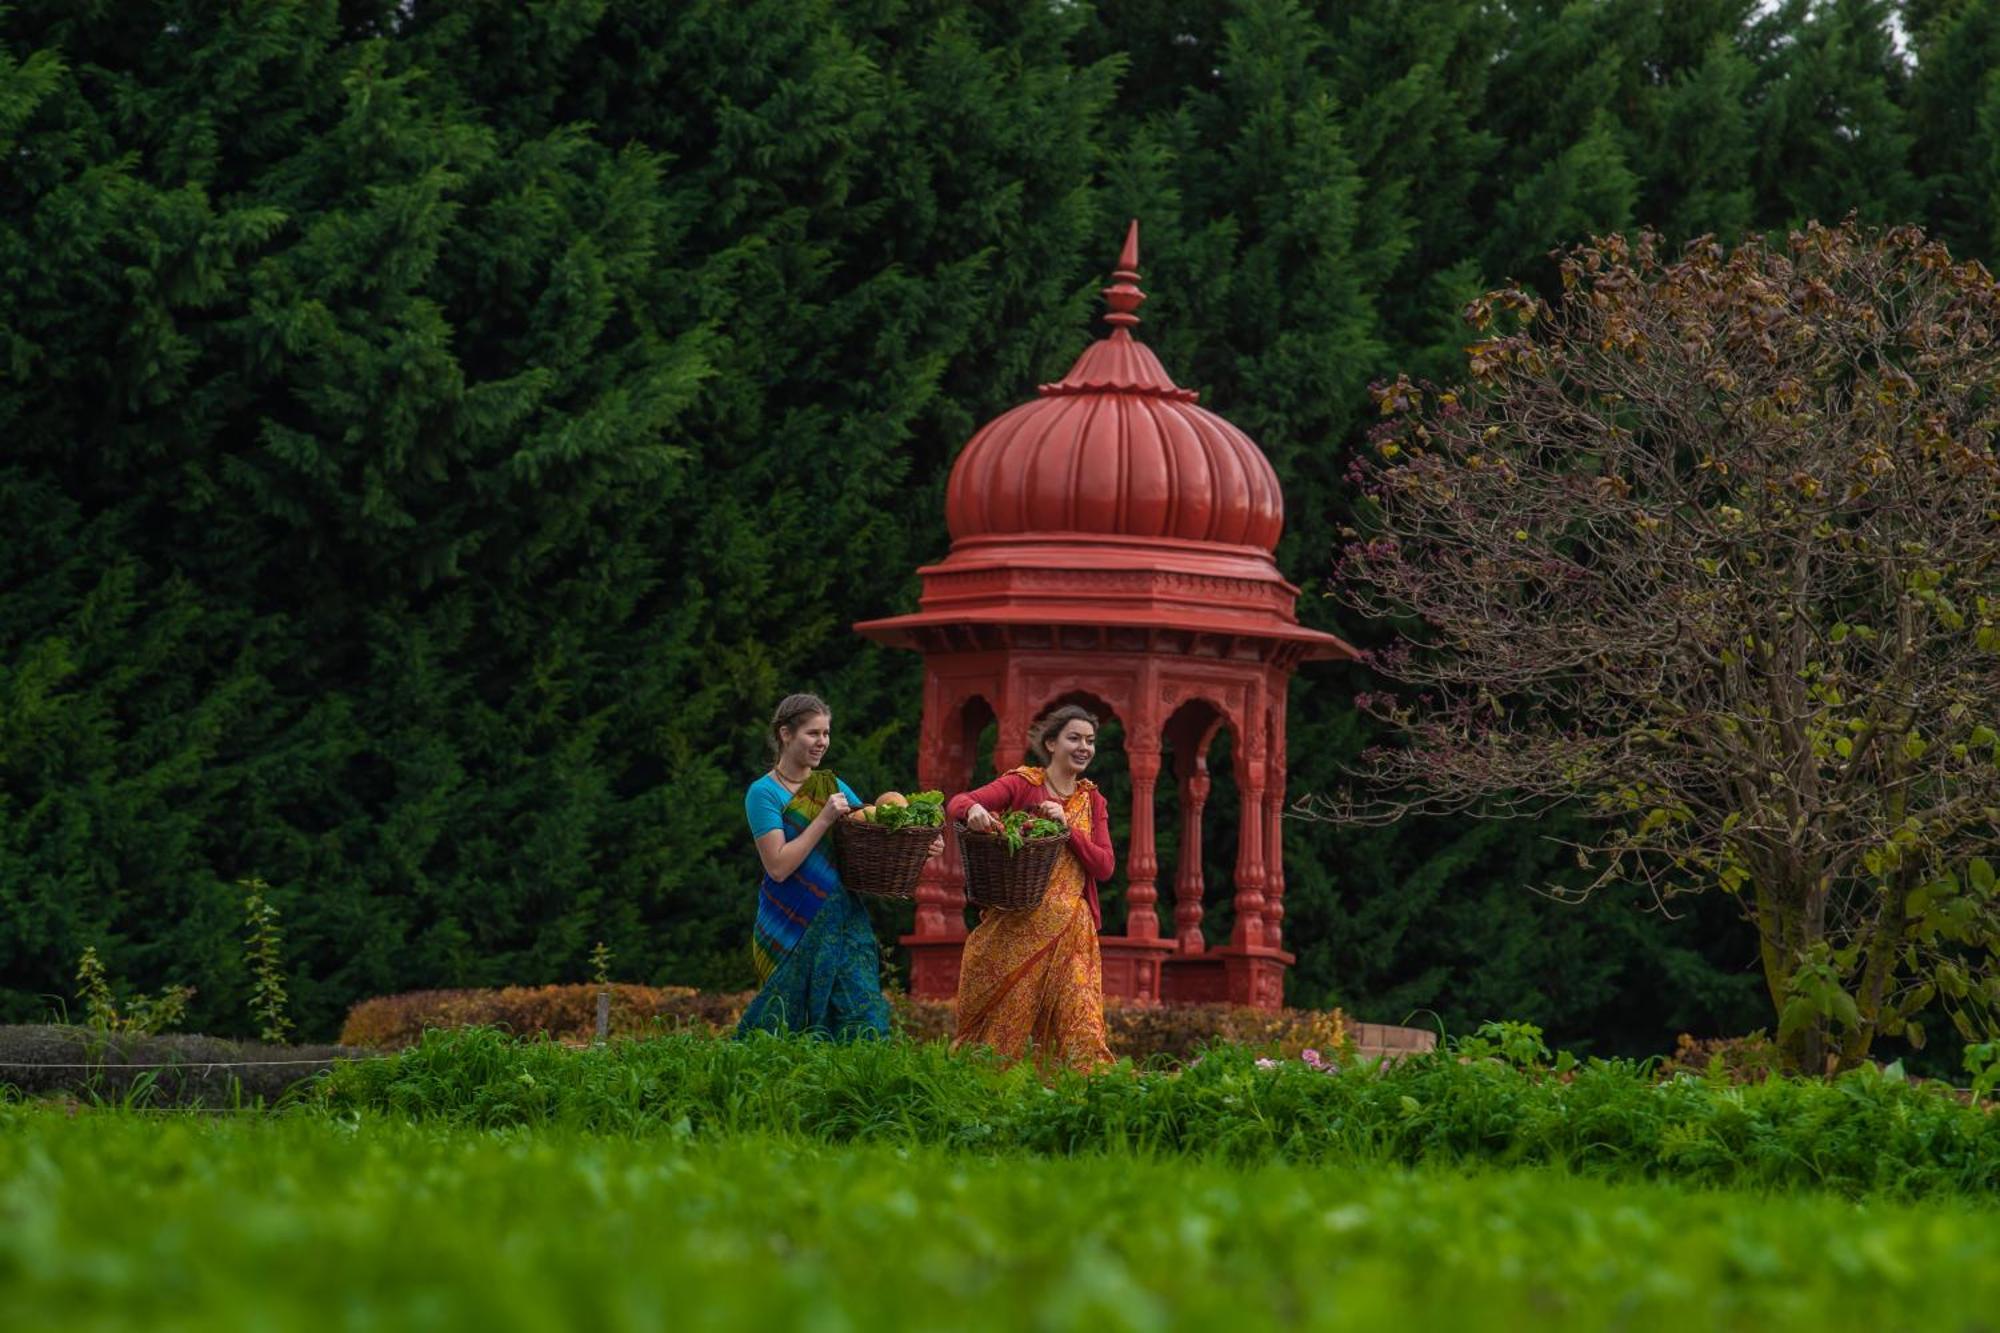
(1263, 1063)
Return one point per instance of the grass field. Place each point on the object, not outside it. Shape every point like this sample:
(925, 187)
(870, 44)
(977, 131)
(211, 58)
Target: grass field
(121, 1219)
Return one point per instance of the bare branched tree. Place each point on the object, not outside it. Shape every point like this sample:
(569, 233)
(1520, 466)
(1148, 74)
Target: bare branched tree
(1709, 549)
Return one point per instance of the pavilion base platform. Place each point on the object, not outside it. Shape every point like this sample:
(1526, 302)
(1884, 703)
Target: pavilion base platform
(934, 961)
(1136, 971)
(1232, 974)
(1132, 967)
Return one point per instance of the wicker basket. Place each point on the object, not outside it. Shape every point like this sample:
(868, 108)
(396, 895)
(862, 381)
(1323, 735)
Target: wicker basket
(1012, 883)
(882, 862)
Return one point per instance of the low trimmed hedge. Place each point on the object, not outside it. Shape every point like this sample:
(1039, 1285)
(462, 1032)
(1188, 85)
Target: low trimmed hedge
(174, 1069)
(565, 1013)
(569, 1013)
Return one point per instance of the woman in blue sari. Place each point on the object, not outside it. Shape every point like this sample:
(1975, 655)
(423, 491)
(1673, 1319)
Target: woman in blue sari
(813, 946)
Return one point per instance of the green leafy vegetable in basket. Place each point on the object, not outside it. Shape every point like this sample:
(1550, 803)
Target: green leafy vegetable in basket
(893, 810)
(1018, 827)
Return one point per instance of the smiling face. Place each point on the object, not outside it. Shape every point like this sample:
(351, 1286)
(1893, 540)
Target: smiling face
(1073, 746)
(805, 744)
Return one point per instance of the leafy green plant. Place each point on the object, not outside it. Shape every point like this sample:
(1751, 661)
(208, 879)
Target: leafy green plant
(143, 1015)
(1983, 1063)
(1814, 994)
(924, 810)
(265, 950)
(1517, 1044)
(1018, 828)
(1750, 1058)
(94, 989)
(150, 1014)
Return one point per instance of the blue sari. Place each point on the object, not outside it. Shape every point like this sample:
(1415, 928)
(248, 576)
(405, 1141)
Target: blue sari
(812, 944)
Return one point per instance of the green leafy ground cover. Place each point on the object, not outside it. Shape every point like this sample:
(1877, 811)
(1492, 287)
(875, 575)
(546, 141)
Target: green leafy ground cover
(118, 1219)
(1864, 1134)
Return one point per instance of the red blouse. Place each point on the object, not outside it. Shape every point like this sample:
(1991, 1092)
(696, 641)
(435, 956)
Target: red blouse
(1016, 791)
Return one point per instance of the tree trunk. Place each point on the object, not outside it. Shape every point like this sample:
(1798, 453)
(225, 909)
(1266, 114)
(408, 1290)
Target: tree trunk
(1784, 932)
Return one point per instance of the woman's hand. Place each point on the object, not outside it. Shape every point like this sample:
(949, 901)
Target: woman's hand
(980, 820)
(1053, 810)
(835, 809)
(937, 845)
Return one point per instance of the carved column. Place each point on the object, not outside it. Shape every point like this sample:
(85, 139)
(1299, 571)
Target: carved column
(936, 751)
(1274, 810)
(1249, 931)
(944, 761)
(1193, 774)
(1142, 866)
(1274, 869)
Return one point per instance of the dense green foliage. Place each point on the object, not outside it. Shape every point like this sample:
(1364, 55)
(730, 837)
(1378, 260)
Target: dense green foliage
(124, 1221)
(1866, 1133)
(435, 433)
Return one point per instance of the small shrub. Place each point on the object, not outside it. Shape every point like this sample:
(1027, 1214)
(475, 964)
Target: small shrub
(1516, 1044)
(150, 1014)
(1178, 1031)
(1982, 1061)
(565, 1013)
(265, 951)
(1750, 1059)
(142, 1016)
(924, 1020)
(93, 987)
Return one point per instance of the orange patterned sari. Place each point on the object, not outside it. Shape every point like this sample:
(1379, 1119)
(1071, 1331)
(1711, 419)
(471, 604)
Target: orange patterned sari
(1032, 980)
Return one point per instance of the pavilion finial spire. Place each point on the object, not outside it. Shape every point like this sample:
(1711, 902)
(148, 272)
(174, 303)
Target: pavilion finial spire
(1123, 295)
(1121, 363)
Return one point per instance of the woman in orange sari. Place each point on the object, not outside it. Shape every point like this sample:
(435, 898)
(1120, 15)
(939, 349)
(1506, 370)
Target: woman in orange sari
(1033, 979)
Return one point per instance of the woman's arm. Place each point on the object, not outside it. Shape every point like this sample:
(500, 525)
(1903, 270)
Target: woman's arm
(1006, 792)
(782, 858)
(1095, 852)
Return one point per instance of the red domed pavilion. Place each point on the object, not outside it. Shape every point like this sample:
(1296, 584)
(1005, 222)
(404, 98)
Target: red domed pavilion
(1112, 544)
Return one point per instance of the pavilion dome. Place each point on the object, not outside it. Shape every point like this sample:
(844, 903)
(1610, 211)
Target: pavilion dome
(1115, 449)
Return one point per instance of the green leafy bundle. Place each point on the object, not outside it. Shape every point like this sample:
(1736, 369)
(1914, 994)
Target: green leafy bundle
(925, 810)
(1019, 827)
